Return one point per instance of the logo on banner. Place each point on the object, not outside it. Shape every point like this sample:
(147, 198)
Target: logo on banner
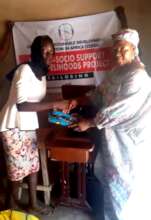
(65, 31)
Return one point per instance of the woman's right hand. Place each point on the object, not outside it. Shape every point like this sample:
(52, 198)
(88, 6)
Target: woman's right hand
(73, 103)
(61, 105)
(65, 105)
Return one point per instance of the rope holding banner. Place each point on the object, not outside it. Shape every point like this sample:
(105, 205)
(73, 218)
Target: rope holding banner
(120, 12)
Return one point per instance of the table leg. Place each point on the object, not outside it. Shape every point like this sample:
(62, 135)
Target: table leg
(65, 181)
(83, 183)
(79, 181)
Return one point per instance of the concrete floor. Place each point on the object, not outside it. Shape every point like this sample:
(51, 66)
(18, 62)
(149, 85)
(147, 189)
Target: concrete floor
(65, 213)
(60, 212)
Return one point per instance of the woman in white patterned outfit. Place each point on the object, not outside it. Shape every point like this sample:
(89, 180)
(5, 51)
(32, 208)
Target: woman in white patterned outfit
(123, 164)
(18, 118)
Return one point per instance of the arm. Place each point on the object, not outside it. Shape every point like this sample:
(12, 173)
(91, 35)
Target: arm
(128, 102)
(125, 106)
(21, 83)
(41, 106)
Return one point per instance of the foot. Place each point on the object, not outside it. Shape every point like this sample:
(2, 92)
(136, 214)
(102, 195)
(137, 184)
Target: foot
(12, 204)
(39, 210)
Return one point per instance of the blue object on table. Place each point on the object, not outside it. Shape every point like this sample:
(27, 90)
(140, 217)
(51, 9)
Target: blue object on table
(61, 118)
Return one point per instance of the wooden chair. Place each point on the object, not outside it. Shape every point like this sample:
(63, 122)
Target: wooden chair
(46, 128)
(45, 186)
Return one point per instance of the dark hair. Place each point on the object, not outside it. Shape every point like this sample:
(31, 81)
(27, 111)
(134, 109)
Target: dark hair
(37, 61)
(36, 47)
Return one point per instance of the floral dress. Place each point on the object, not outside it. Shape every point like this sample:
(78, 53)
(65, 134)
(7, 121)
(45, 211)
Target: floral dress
(123, 164)
(21, 153)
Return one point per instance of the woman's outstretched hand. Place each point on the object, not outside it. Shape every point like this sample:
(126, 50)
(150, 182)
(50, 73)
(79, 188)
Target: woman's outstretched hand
(73, 103)
(66, 105)
(61, 105)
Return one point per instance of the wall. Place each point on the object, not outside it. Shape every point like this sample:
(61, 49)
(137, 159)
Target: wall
(27, 10)
(139, 17)
(138, 13)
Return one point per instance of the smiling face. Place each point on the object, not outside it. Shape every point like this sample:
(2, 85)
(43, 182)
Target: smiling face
(48, 52)
(123, 52)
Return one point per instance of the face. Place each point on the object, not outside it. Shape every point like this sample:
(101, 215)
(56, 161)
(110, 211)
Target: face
(123, 52)
(48, 52)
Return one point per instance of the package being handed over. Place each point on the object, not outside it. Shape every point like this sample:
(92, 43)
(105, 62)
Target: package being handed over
(61, 118)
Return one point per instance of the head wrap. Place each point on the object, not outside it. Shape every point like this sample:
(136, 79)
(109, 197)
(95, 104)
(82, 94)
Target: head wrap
(128, 35)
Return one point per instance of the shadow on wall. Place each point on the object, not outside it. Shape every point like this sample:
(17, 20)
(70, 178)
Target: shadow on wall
(4, 91)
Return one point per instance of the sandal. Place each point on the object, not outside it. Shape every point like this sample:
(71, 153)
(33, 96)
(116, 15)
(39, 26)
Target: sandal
(40, 210)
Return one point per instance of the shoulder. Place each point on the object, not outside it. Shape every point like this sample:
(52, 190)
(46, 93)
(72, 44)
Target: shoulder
(139, 75)
(23, 68)
(23, 71)
(136, 80)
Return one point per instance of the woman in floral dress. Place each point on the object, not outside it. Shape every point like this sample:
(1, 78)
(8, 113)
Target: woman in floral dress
(19, 121)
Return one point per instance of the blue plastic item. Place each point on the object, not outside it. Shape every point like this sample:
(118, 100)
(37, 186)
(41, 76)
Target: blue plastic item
(59, 117)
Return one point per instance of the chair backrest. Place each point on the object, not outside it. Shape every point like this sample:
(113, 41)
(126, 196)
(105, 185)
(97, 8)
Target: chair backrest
(74, 91)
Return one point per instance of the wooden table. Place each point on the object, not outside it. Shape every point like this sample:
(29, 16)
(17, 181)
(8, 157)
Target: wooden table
(67, 150)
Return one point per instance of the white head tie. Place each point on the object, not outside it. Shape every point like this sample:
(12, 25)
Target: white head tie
(128, 35)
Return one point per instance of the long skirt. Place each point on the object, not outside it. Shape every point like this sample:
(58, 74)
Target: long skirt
(21, 153)
(123, 167)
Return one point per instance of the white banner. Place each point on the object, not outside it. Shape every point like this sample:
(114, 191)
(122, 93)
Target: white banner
(82, 45)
